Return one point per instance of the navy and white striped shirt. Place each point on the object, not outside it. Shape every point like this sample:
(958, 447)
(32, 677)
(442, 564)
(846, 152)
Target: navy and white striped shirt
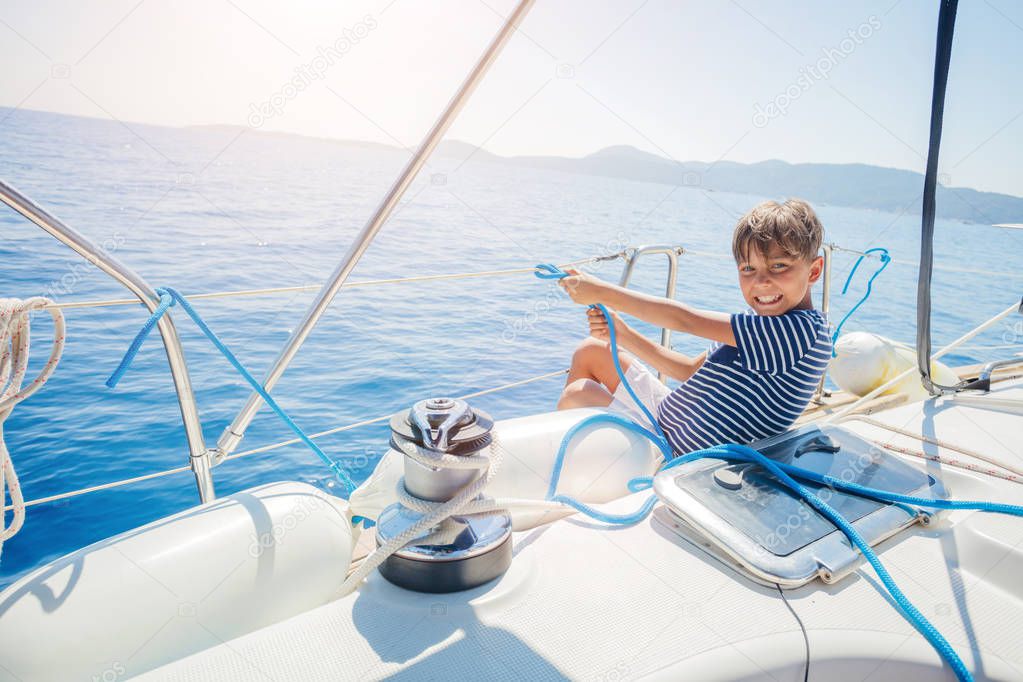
(754, 389)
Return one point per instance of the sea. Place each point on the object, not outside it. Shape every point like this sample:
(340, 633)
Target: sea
(224, 209)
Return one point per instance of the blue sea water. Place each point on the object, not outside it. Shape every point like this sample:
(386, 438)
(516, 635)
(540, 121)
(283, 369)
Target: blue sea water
(207, 210)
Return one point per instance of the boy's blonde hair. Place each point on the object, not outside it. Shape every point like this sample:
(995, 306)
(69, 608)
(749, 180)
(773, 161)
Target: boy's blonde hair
(793, 226)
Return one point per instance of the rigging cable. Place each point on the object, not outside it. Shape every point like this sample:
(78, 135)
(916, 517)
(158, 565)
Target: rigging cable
(942, 58)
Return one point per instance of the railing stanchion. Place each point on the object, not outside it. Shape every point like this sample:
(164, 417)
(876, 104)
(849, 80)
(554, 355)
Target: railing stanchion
(819, 394)
(202, 459)
(672, 252)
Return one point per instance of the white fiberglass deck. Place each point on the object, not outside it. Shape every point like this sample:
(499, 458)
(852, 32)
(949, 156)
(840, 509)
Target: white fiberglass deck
(586, 602)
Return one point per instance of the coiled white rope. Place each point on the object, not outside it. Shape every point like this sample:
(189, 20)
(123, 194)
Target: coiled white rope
(483, 505)
(489, 462)
(463, 502)
(14, 351)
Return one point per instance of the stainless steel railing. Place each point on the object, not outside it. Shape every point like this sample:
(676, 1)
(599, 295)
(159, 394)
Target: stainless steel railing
(829, 250)
(201, 459)
(632, 255)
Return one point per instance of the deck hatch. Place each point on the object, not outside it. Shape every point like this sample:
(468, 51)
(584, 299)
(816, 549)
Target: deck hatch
(744, 512)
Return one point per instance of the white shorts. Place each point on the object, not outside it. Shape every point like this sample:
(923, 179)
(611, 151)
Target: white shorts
(648, 389)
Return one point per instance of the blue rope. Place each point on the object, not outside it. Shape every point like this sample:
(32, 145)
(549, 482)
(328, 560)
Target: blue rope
(783, 472)
(367, 523)
(786, 474)
(885, 260)
(550, 271)
(615, 519)
(909, 612)
(623, 422)
(743, 453)
(166, 301)
(168, 298)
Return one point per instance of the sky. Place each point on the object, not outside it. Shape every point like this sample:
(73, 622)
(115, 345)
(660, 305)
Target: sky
(742, 80)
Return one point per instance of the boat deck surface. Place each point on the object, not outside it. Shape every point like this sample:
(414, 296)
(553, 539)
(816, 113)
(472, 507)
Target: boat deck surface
(585, 602)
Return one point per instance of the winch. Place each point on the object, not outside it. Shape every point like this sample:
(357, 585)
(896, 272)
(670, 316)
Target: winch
(463, 551)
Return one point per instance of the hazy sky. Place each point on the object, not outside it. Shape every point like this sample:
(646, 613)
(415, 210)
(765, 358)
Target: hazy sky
(743, 80)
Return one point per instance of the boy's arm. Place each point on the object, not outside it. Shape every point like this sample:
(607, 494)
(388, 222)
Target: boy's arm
(662, 312)
(675, 365)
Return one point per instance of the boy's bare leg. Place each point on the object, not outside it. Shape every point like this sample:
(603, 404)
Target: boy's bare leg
(592, 378)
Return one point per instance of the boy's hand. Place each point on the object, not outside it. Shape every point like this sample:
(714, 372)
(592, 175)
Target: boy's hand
(599, 327)
(583, 288)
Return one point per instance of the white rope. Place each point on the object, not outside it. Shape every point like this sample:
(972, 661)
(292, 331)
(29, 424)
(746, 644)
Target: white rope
(14, 350)
(952, 462)
(996, 346)
(1010, 473)
(490, 462)
(859, 402)
(437, 460)
(434, 513)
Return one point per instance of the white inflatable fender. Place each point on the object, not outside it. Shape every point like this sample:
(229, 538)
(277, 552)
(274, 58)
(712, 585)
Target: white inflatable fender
(599, 463)
(153, 595)
(864, 361)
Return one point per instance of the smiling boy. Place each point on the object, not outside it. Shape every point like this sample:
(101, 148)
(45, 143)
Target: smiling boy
(764, 365)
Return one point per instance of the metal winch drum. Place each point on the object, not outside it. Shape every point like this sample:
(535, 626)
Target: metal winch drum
(465, 551)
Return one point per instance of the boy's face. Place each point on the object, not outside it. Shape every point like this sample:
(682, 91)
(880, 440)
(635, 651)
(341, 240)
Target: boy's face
(778, 282)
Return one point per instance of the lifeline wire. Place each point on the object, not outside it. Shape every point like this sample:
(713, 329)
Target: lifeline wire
(468, 275)
(266, 448)
(168, 298)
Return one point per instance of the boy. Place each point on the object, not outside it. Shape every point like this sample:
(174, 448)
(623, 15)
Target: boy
(760, 373)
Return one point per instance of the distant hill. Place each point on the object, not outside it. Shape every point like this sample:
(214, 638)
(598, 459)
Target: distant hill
(855, 185)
